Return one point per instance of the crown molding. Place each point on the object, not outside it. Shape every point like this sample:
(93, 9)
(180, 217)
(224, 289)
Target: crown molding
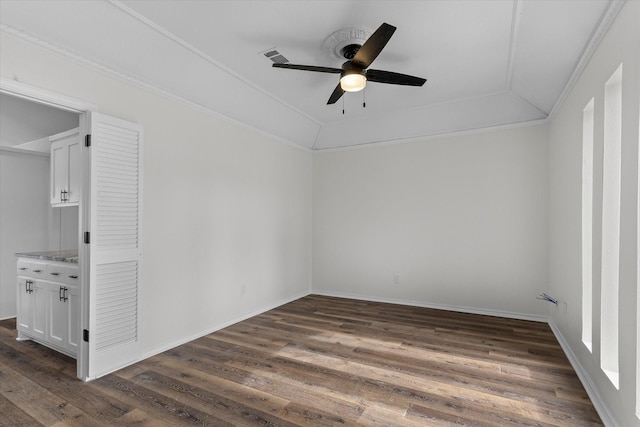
(169, 35)
(41, 95)
(429, 137)
(605, 23)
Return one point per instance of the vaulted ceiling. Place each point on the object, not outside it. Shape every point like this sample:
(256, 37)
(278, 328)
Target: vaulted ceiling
(487, 63)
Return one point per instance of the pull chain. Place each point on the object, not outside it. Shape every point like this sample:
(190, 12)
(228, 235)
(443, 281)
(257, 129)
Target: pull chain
(364, 98)
(343, 105)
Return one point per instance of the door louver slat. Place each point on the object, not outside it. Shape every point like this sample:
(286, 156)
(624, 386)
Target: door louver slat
(116, 303)
(117, 168)
(116, 242)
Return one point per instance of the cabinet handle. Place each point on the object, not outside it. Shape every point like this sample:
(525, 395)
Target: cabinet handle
(37, 271)
(28, 288)
(73, 276)
(54, 274)
(22, 268)
(62, 294)
(63, 195)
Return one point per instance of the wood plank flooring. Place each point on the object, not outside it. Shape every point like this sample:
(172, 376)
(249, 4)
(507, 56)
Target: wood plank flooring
(315, 361)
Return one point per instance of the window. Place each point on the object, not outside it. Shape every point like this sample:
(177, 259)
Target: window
(587, 224)
(611, 169)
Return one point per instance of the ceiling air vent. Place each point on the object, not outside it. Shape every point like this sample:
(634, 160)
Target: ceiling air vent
(276, 56)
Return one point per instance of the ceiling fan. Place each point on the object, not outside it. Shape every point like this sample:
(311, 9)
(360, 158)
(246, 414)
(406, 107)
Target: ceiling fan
(354, 73)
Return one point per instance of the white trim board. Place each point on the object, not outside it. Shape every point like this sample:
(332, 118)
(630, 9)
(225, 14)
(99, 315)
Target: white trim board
(603, 411)
(585, 379)
(23, 152)
(449, 134)
(43, 96)
(460, 309)
(217, 327)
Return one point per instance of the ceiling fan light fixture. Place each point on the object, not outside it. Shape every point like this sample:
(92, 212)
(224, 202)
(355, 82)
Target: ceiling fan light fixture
(353, 81)
(355, 72)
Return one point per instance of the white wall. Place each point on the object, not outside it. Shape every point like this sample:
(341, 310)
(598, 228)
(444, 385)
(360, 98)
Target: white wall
(621, 44)
(24, 222)
(227, 210)
(462, 219)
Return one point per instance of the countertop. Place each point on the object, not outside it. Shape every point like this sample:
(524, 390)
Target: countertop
(70, 256)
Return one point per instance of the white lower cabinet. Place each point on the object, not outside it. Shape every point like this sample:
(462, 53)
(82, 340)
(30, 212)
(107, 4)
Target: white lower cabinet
(62, 329)
(32, 305)
(49, 310)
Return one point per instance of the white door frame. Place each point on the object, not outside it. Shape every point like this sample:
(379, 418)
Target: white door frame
(56, 100)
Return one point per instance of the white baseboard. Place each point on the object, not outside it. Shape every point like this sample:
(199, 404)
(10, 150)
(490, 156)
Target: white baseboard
(217, 327)
(604, 412)
(601, 408)
(8, 317)
(585, 379)
(461, 309)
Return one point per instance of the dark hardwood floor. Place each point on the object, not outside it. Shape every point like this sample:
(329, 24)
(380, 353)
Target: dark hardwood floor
(315, 361)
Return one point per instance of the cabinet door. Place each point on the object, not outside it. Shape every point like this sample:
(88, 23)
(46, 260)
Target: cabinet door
(66, 168)
(24, 319)
(73, 318)
(58, 308)
(40, 296)
(74, 170)
(58, 171)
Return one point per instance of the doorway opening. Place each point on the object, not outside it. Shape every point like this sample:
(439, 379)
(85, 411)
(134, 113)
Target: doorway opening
(30, 222)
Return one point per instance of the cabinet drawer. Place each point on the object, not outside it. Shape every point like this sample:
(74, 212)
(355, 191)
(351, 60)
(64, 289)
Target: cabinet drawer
(24, 267)
(63, 274)
(36, 269)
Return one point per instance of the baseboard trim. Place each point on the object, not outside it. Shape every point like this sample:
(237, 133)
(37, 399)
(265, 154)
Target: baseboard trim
(8, 317)
(220, 326)
(585, 379)
(457, 308)
(602, 409)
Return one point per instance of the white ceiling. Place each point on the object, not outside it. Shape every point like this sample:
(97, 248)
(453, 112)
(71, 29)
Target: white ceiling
(487, 63)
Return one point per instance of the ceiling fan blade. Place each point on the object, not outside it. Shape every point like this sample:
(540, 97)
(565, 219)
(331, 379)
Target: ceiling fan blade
(309, 68)
(374, 45)
(390, 77)
(337, 94)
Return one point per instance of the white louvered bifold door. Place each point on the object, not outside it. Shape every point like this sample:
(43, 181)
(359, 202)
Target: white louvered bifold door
(115, 243)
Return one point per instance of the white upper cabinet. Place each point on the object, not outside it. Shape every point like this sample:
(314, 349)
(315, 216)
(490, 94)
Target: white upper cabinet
(65, 168)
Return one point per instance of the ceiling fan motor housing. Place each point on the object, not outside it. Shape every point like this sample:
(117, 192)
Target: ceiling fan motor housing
(350, 50)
